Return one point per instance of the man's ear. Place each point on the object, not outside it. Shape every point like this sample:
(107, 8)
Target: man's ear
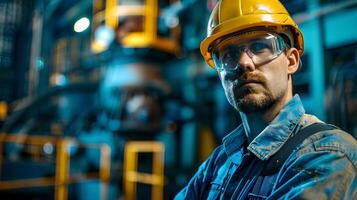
(293, 60)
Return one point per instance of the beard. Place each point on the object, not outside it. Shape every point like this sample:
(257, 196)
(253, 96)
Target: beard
(253, 99)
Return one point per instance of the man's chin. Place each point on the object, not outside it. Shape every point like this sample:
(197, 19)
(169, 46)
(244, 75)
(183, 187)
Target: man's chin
(252, 103)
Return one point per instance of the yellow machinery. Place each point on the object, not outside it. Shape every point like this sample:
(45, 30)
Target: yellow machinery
(134, 24)
(62, 178)
(3, 110)
(131, 174)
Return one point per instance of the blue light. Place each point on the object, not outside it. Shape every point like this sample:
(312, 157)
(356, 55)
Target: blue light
(104, 35)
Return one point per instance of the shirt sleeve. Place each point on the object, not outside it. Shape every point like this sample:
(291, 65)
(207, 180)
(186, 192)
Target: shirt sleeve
(317, 175)
(199, 184)
(193, 188)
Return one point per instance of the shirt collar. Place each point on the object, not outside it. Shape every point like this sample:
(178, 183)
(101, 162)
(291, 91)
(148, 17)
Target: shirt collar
(271, 139)
(234, 140)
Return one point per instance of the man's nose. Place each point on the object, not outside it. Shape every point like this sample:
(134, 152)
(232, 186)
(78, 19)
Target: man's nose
(246, 62)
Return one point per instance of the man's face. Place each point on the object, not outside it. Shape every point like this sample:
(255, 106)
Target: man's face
(254, 88)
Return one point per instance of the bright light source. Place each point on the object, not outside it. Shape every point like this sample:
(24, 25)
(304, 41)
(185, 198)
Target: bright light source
(104, 35)
(81, 25)
(48, 148)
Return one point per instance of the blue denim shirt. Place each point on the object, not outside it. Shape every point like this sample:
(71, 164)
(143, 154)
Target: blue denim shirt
(322, 167)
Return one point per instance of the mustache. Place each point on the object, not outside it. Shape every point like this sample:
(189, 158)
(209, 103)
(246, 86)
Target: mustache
(251, 78)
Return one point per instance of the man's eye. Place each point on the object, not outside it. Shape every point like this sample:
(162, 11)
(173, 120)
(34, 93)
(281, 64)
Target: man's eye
(230, 55)
(259, 47)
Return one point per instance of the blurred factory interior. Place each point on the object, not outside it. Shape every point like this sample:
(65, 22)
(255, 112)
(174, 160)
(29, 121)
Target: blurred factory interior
(111, 99)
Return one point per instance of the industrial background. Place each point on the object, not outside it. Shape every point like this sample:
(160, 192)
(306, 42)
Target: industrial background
(111, 99)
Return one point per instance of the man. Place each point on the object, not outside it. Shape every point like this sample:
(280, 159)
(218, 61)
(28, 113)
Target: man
(278, 152)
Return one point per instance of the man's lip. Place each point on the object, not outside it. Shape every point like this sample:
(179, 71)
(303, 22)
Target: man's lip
(247, 82)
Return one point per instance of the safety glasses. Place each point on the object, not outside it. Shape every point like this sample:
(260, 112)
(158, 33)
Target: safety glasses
(261, 47)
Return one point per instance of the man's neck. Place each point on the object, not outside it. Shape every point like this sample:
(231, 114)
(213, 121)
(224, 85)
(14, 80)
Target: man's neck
(255, 123)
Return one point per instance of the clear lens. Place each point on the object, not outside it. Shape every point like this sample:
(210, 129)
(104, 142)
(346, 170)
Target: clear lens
(261, 47)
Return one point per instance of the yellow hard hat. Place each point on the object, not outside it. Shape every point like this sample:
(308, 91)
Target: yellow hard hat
(231, 16)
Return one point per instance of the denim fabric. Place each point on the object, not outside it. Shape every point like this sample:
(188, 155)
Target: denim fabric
(322, 167)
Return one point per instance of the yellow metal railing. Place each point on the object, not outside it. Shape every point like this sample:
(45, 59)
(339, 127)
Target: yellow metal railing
(131, 174)
(62, 178)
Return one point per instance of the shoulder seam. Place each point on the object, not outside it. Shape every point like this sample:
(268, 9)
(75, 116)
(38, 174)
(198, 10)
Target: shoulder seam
(329, 148)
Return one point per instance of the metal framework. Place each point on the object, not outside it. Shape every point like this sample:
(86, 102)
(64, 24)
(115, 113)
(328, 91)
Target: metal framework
(132, 176)
(62, 178)
(148, 37)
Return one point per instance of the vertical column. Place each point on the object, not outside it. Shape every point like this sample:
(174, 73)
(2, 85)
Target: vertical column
(158, 172)
(151, 12)
(62, 170)
(104, 173)
(111, 18)
(130, 167)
